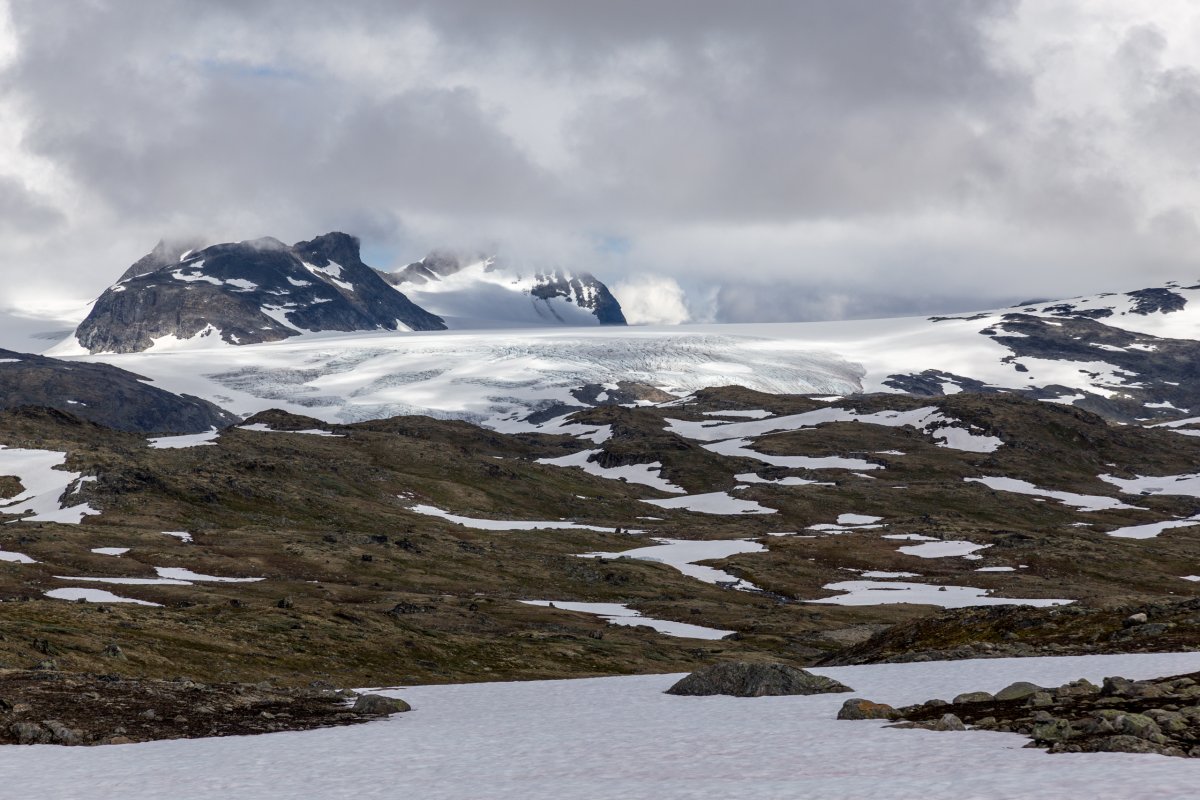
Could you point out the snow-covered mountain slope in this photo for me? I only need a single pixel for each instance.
(245, 292)
(480, 292)
(1095, 353)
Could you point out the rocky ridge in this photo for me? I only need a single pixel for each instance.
(104, 395)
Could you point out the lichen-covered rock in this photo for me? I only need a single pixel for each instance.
(747, 679)
(858, 708)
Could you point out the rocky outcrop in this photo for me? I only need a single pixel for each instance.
(746, 679)
(247, 292)
(1122, 716)
(103, 394)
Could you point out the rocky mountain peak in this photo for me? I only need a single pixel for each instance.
(246, 292)
(474, 289)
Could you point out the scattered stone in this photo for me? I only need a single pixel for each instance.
(748, 679)
(1124, 716)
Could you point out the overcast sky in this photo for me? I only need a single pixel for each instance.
(710, 160)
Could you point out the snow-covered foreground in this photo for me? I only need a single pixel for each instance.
(622, 737)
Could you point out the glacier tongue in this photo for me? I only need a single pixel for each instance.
(488, 377)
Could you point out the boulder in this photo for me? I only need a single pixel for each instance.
(744, 679)
(974, 697)
(858, 708)
(378, 705)
(1018, 691)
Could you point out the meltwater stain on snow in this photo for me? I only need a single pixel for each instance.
(620, 614)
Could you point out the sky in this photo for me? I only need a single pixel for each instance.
(710, 161)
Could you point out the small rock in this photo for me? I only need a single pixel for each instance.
(1135, 619)
(61, 734)
(1141, 726)
(949, 722)
(1040, 699)
(1124, 744)
(858, 708)
(1151, 629)
(29, 733)
(378, 705)
(1054, 730)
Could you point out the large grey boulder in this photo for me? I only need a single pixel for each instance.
(745, 679)
(378, 705)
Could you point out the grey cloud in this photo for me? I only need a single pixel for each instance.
(22, 212)
(402, 122)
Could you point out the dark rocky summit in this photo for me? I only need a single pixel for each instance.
(748, 679)
(584, 290)
(103, 394)
(247, 292)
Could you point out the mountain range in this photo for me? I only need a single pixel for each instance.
(262, 290)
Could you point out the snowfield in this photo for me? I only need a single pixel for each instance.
(622, 737)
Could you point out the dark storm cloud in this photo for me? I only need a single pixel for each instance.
(760, 153)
